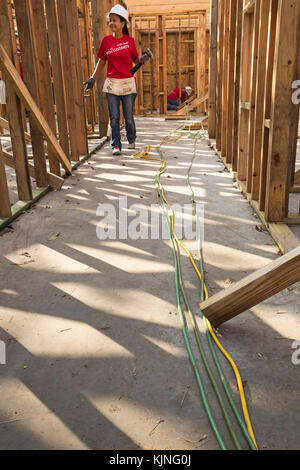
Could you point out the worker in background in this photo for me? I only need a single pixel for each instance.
(119, 51)
(175, 97)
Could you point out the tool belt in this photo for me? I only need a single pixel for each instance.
(120, 86)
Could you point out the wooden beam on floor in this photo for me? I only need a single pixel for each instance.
(10, 71)
(254, 289)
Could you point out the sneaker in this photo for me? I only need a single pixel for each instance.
(116, 151)
(131, 145)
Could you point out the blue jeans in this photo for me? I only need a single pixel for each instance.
(114, 115)
(172, 104)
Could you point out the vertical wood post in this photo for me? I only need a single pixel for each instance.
(58, 78)
(99, 10)
(30, 80)
(39, 33)
(5, 210)
(15, 115)
(284, 113)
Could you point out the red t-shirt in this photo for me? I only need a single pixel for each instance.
(119, 53)
(174, 95)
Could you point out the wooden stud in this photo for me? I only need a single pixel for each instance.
(267, 103)
(164, 57)
(284, 113)
(260, 96)
(253, 96)
(53, 180)
(5, 209)
(245, 80)
(230, 81)
(77, 76)
(213, 62)
(221, 10)
(58, 78)
(39, 33)
(99, 30)
(237, 73)
(68, 72)
(15, 80)
(30, 80)
(225, 74)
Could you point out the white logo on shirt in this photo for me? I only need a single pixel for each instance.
(119, 48)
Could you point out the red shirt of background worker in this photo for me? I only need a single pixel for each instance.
(174, 99)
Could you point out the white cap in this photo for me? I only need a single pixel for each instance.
(189, 90)
(121, 11)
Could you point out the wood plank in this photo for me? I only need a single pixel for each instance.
(237, 72)
(5, 209)
(164, 57)
(192, 105)
(284, 113)
(99, 30)
(254, 289)
(14, 112)
(8, 68)
(53, 180)
(297, 178)
(225, 72)
(5, 124)
(213, 63)
(221, 10)
(39, 33)
(245, 93)
(67, 71)
(267, 104)
(77, 75)
(58, 78)
(260, 96)
(30, 79)
(230, 81)
(253, 94)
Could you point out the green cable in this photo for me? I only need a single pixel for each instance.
(187, 342)
(201, 350)
(178, 279)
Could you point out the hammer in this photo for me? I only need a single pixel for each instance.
(142, 60)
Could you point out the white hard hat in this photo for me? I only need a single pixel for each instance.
(121, 11)
(189, 90)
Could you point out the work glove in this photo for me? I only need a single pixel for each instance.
(89, 84)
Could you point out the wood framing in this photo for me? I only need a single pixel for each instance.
(257, 122)
(30, 79)
(14, 112)
(254, 289)
(8, 68)
(100, 30)
(284, 113)
(179, 46)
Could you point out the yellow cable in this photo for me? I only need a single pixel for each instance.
(145, 155)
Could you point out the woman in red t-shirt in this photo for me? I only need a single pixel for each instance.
(119, 51)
